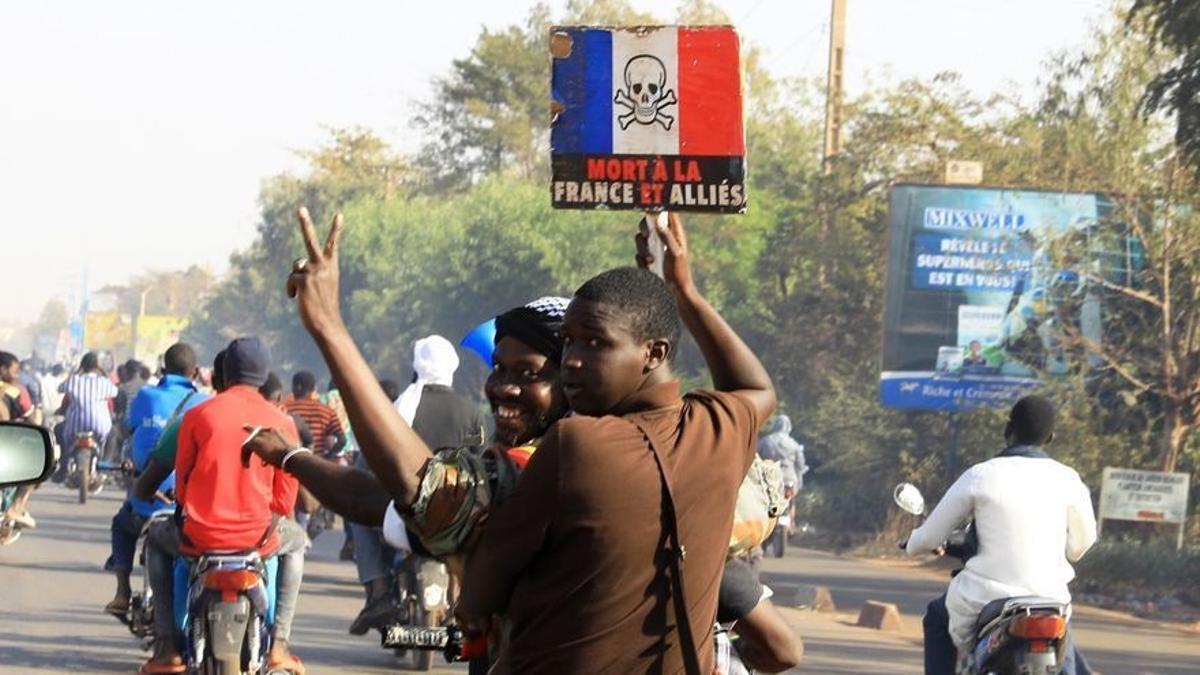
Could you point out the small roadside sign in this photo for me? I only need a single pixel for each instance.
(1144, 496)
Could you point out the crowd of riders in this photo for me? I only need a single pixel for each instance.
(586, 520)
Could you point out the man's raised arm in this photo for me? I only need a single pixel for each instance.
(349, 492)
(733, 366)
(392, 449)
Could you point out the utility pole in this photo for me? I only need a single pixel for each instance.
(833, 122)
(833, 87)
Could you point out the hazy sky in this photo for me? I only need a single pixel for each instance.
(134, 135)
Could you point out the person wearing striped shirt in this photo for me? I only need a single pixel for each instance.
(328, 435)
(322, 420)
(88, 393)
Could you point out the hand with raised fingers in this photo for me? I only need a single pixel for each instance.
(677, 271)
(271, 445)
(314, 280)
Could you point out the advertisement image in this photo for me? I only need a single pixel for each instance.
(990, 290)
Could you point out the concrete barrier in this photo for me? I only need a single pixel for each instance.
(880, 616)
(817, 598)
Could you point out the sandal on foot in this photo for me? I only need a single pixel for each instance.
(292, 664)
(117, 608)
(151, 668)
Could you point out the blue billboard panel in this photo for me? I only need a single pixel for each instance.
(984, 285)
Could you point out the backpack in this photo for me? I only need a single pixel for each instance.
(760, 501)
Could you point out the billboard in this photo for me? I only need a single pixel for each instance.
(107, 331)
(647, 118)
(984, 285)
(155, 333)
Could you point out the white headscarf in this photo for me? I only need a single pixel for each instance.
(434, 360)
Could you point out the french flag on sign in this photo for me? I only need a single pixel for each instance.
(647, 91)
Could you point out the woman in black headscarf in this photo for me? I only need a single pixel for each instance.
(452, 491)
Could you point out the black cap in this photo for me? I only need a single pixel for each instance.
(247, 361)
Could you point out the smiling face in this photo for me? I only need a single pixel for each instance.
(524, 392)
(603, 362)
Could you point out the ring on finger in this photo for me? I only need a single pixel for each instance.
(299, 265)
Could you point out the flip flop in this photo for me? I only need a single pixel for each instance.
(149, 668)
(292, 665)
(117, 610)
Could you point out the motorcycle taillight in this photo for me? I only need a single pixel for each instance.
(230, 580)
(1038, 627)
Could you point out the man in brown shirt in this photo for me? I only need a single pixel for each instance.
(578, 559)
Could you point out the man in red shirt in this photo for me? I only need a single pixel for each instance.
(226, 507)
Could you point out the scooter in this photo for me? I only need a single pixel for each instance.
(140, 616)
(1013, 636)
(777, 542)
(82, 472)
(10, 530)
(424, 604)
(230, 607)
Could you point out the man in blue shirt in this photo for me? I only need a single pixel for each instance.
(149, 413)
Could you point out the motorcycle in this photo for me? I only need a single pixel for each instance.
(230, 605)
(777, 542)
(1024, 635)
(82, 470)
(10, 530)
(140, 616)
(425, 608)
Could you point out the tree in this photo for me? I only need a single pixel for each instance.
(1175, 25)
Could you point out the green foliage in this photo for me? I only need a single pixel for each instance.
(1175, 25)
(800, 275)
(1114, 565)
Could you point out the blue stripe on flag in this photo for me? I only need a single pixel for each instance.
(582, 82)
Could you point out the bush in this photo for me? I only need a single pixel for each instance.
(1117, 565)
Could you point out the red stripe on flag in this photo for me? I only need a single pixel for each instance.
(710, 92)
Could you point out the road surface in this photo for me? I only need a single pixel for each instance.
(1113, 643)
(52, 589)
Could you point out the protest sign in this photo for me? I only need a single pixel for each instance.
(647, 118)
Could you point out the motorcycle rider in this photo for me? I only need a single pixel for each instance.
(442, 418)
(86, 398)
(149, 411)
(328, 436)
(1033, 517)
(776, 444)
(617, 358)
(18, 406)
(224, 507)
(765, 641)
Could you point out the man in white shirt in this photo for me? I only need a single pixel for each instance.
(1033, 517)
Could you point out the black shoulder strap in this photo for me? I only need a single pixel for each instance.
(687, 642)
(179, 408)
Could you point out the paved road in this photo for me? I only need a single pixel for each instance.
(1113, 643)
(52, 589)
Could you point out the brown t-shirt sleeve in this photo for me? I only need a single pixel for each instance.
(513, 535)
(741, 416)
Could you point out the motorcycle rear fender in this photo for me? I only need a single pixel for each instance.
(226, 627)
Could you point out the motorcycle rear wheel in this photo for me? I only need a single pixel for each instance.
(84, 462)
(422, 658)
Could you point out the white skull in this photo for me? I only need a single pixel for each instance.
(645, 79)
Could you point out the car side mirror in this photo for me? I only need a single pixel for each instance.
(26, 454)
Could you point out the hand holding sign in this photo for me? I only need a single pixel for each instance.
(676, 270)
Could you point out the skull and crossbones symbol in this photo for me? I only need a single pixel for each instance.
(644, 95)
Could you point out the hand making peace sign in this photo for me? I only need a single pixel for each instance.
(314, 280)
